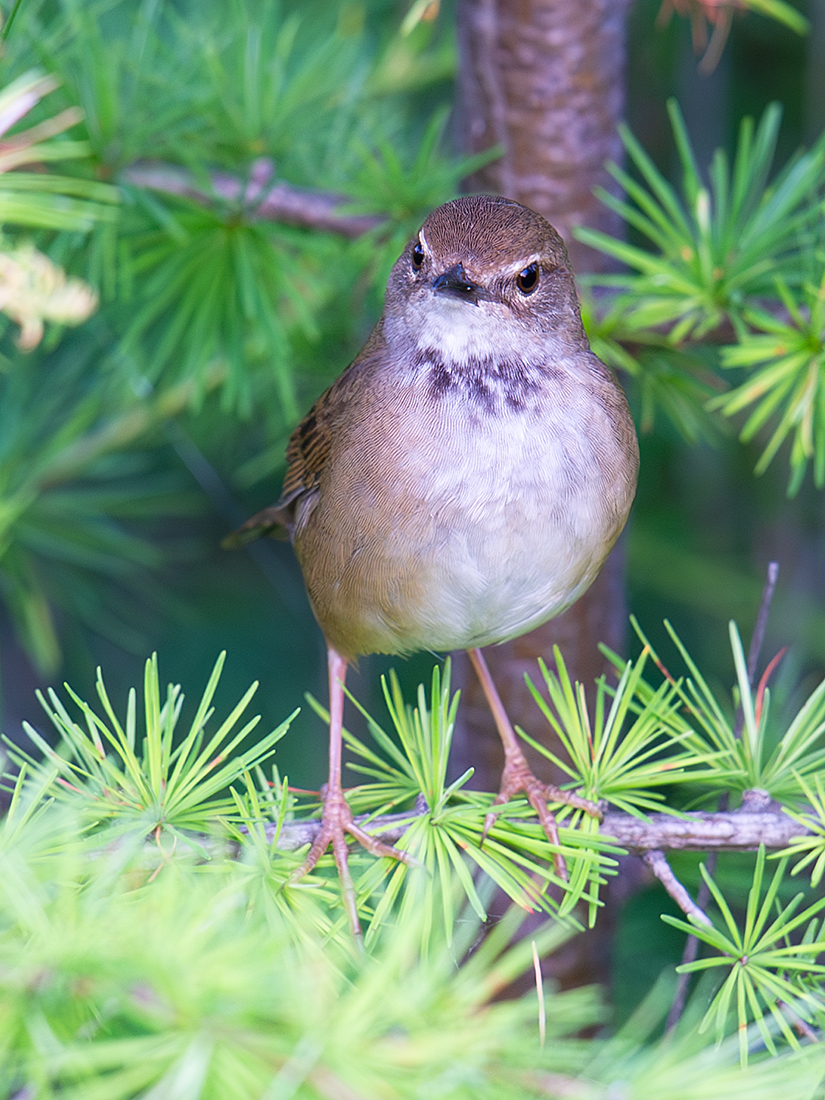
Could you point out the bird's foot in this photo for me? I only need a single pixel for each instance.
(517, 778)
(336, 822)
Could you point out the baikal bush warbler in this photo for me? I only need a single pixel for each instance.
(463, 480)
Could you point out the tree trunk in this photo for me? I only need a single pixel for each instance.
(544, 80)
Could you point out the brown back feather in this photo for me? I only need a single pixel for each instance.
(307, 453)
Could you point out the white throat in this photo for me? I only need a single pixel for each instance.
(463, 332)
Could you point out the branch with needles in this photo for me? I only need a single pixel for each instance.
(260, 193)
(658, 864)
(703, 897)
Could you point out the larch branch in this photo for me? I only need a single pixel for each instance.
(264, 198)
(660, 867)
(733, 831)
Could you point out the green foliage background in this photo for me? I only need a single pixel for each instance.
(217, 328)
(153, 943)
(130, 445)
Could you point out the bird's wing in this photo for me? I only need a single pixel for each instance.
(307, 454)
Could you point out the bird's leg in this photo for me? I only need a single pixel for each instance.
(517, 775)
(336, 816)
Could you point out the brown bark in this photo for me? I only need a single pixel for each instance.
(544, 80)
(266, 197)
(740, 830)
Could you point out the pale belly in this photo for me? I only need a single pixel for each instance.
(481, 533)
(521, 579)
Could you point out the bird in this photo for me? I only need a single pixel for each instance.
(462, 481)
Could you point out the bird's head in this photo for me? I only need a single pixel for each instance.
(484, 275)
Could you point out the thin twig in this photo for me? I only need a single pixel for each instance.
(730, 831)
(757, 640)
(660, 867)
(690, 952)
(734, 831)
(758, 637)
(691, 948)
(276, 201)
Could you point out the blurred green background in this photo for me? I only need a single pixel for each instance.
(129, 446)
(124, 558)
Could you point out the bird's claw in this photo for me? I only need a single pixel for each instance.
(519, 779)
(336, 822)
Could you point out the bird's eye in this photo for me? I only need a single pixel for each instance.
(528, 280)
(417, 255)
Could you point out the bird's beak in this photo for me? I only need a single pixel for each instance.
(456, 284)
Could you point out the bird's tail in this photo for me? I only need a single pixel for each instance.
(273, 521)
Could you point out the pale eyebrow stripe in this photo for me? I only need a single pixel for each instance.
(514, 269)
